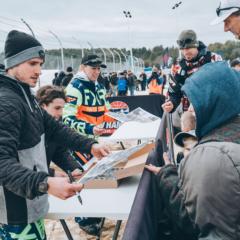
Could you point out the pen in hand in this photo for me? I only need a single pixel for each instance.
(71, 179)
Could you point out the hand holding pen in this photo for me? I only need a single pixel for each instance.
(71, 179)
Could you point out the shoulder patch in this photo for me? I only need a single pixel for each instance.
(72, 99)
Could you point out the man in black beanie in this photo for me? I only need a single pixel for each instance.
(24, 129)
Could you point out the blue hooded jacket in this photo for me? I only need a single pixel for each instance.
(214, 92)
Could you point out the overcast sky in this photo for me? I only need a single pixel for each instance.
(103, 24)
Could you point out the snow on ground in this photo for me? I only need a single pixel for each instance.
(45, 78)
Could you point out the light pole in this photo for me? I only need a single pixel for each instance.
(142, 63)
(28, 26)
(128, 16)
(114, 64)
(120, 60)
(123, 56)
(72, 61)
(80, 46)
(61, 47)
(175, 7)
(105, 55)
(138, 63)
(92, 48)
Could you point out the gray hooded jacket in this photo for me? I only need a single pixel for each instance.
(206, 193)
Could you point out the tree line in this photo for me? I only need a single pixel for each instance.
(151, 56)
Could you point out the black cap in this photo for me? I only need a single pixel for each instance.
(93, 61)
(182, 135)
(20, 47)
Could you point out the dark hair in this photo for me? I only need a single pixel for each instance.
(48, 93)
(235, 62)
(237, 13)
(69, 69)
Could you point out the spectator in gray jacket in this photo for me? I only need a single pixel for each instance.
(202, 200)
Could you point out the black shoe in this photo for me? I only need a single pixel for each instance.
(92, 229)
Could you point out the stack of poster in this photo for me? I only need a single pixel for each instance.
(107, 172)
(137, 115)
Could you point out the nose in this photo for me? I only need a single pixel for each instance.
(60, 112)
(38, 70)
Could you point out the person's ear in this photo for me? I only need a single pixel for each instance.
(44, 106)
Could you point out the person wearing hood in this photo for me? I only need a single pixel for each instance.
(202, 199)
(194, 55)
(25, 129)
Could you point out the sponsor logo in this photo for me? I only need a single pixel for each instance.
(119, 106)
(72, 99)
(116, 106)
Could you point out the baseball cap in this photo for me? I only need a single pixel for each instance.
(225, 9)
(182, 135)
(93, 61)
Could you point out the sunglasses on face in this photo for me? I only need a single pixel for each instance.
(218, 10)
(182, 43)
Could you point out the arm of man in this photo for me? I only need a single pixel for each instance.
(174, 90)
(13, 175)
(149, 79)
(74, 101)
(173, 200)
(66, 137)
(63, 159)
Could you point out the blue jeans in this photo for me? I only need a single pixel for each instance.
(131, 89)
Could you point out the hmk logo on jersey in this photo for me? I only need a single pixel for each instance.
(72, 99)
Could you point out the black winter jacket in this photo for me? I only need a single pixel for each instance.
(63, 158)
(23, 165)
(66, 80)
(186, 69)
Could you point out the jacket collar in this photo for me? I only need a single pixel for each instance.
(18, 87)
(228, 132)
(82, 77)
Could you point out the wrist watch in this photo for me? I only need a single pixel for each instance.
(43, 186)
